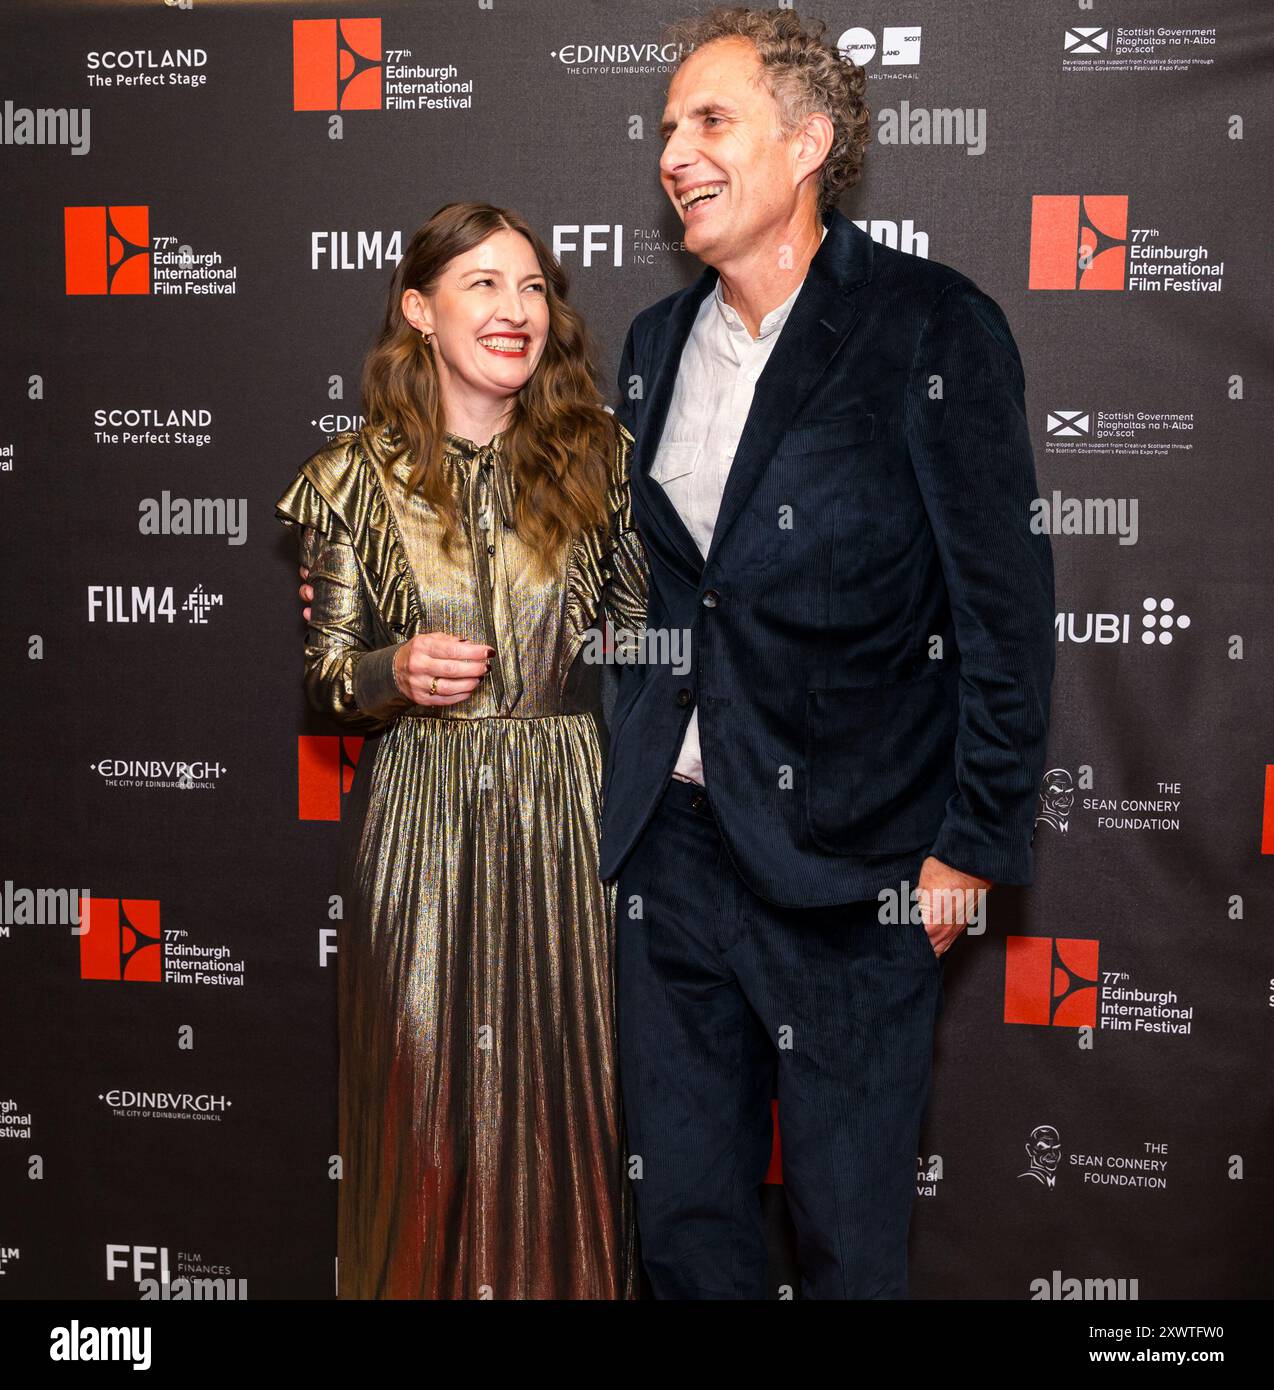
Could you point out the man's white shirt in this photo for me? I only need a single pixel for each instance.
(716, 379)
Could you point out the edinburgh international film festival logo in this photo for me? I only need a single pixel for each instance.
(124, 941)
(1056, 982)
(343, 65)
(1051, 980)
(110, 249)
(325, 767)
(1079, 243)
(337, 65)
(1085, 242)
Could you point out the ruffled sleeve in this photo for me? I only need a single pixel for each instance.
(303, 505)
(346, 676)
(625, 573)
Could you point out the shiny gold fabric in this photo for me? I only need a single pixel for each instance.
(479, 1108)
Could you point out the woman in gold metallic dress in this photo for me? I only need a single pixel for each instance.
(461, 546)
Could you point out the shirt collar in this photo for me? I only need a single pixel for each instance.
(458, 444)
(772, 322)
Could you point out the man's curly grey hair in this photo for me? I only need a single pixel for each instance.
(804, 75)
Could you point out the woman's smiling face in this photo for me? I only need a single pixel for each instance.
(488, 314)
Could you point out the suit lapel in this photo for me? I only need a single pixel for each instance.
(819, 322)
(658, 506)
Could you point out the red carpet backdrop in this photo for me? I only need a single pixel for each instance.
(204, 203)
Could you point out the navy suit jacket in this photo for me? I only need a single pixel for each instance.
(871, 634)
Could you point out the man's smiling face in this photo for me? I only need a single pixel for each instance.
(729, 172)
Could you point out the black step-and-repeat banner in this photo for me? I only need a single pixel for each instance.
(204, 202)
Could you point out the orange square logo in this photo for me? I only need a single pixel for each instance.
(337, 65)
(107, 250)
(1079, 243)
(1051, 980)
(325, 766)
(122, 941)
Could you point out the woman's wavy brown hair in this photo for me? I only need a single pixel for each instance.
(804, 75)
(560, 441)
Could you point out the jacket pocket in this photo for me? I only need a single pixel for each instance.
(880, 763)
(816, 436)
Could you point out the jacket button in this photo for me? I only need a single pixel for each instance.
(711, 598)
(684, 697)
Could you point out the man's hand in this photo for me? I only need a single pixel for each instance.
(948, 901)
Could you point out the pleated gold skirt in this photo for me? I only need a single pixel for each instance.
(480, 1123)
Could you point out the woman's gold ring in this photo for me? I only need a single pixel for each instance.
(433, 686)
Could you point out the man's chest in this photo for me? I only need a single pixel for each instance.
(711, 400)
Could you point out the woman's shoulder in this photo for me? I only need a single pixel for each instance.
(346, 455)
(332, 483)
(342, 461)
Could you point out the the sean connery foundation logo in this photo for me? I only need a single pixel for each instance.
(1057, 799)
(1043, 1156)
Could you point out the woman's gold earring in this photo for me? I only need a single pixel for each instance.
(428, 337)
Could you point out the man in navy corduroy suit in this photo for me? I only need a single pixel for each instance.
(832, 478)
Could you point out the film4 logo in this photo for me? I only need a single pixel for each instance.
(337, 65)
(109, 603)
(1079, 243)
(325, 765)
(108, 249)
(122, 941)
(1051, 980)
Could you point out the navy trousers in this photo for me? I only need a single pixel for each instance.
(719, 992)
